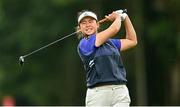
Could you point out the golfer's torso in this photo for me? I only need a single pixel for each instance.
(103, 66)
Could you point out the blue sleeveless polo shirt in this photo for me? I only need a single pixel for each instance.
(103, 65)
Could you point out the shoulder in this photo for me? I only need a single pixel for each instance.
(87, 46)
(116, 43)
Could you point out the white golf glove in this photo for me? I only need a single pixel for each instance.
(122, 15)
(119, 11)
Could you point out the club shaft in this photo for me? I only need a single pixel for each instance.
(49, 44)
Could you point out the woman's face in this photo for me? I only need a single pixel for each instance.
(88, 26)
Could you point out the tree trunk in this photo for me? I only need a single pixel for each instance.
(140, 65)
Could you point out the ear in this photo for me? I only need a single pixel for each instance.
(77, 28)
(97, 25)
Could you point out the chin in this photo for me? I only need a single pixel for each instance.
(90, 33)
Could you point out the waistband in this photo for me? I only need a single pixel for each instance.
(106, 84)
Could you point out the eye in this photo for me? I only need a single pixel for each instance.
(83, 22)
(90, 21)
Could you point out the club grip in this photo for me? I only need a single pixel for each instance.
(105, 19)
(125, 11)
(102, 20)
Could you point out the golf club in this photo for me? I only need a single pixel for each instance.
(21, 58)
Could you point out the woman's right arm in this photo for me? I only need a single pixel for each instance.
(131, 39)
(103, 36)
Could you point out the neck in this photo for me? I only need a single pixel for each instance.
(86, 36)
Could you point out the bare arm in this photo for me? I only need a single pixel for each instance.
(110, 31)
(131, 39)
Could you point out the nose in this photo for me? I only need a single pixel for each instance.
(87, 24)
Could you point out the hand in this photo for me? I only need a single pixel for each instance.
(112, 16)
(123, 16)
(119, 11)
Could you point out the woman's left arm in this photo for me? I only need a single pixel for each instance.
(131, 39)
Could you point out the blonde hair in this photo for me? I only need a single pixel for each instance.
(79, 33)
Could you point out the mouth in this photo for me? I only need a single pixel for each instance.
(88, 29)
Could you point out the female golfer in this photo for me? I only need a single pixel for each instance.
(105, 73)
